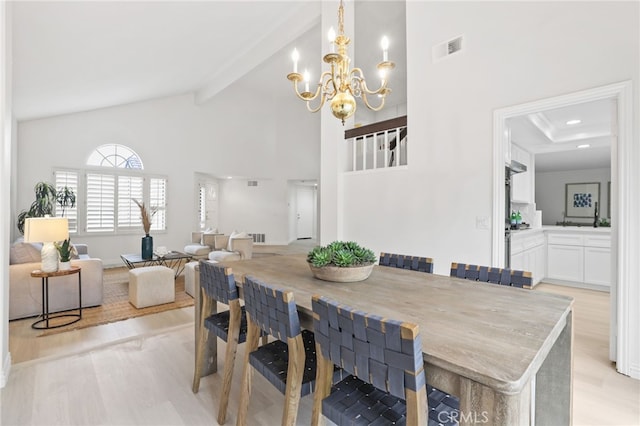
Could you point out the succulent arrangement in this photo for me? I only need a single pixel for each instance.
(343, 254)
(66, 250)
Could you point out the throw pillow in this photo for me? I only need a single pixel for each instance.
(24, 253)
(234, 235)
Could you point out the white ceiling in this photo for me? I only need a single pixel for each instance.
(77, 56)
(555, 143)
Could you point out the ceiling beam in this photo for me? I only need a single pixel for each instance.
(303, 16)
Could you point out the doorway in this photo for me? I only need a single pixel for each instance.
(621, 194)
(305, 212)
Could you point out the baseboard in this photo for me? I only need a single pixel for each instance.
(6, 369)
(634, 371)
(586, 286)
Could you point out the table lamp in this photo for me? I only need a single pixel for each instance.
(47, 230)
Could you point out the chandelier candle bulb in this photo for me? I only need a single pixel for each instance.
(332, 38)
(385, 49)
(295, 56)
(307, 77)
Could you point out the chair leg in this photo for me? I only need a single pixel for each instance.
(235, 314)
(294, 380)
(202, 341)
(253, 335)
(324, 375)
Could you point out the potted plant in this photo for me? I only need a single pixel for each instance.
(65, 251)
(65, 198)
(147, 240)
(341, 261)
(42, 206)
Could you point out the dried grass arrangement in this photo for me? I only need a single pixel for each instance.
(146, 215)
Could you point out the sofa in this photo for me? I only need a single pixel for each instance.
(202, 243)
(227, 248)
(25, 291)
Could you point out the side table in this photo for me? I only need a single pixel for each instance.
(46, 316)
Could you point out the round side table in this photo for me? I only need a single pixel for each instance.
(43, 324)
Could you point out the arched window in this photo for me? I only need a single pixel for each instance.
(113, 179)
(114, 155)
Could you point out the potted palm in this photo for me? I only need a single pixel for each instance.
(43, 205)
(341, 261)
(147, 240)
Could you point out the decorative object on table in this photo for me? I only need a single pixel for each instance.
(42, 206)
(342, 84)
(341, 261)
(66, 250)
(47, 230)
(161, 251)
(581, 199)
(147, 240)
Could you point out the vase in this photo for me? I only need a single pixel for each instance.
(147, 247)
(64, 266)
(342, 275)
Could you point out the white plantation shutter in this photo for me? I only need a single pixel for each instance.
(158, 202)
(202, 203)
(129, 188)
(100, 202)
(69, 179)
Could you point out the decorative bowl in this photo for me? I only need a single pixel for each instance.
(342, 275)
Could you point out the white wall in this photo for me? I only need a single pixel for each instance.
(510, 56)
(6, 163)
(236, 133)
(550, 192)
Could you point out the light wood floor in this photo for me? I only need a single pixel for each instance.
(139, 371)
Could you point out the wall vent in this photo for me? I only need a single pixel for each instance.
(447, 48)
(258, 238)
(252, 183)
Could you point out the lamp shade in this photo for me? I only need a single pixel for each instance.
(46, 229)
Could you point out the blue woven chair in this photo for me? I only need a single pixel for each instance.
(501, 276)
(218, 285)
(387, 382)
(290, 366)
(415, 263)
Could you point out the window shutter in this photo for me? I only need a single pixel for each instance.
(129, 188)
(202, 204)
(100, 202)
(69, 179)
(158, 202)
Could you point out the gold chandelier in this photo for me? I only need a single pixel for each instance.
(341, 85)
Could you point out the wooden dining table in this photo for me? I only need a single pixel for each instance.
(506, 352)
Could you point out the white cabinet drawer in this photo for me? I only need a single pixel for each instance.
(597, 241)
(566, 239)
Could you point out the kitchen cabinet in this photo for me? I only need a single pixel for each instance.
(528, 253)
(581, 256)
(522, 183)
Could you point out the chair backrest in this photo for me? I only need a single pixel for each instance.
(502, 276)
(218, 282)
(380, 351)
(272, 309)
(415, 263)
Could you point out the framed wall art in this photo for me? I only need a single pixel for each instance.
(581, 199)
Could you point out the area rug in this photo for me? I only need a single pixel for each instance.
(116, 306)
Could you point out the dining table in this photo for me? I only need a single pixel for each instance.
(506, 352)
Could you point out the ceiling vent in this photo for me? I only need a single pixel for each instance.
(447, 48)
(252, 183)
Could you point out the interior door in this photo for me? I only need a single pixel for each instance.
(305, 200)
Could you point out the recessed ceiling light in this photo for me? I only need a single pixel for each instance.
(572, 122)
(584, 145)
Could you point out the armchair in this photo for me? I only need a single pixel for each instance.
(237, 246)
(202, 243)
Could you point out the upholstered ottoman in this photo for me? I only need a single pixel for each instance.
(192, 278)
(151, 285)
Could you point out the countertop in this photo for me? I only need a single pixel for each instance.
(583, 229)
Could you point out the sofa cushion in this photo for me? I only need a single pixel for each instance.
(197, 249)
(24, 253)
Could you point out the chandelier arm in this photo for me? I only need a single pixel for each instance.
(322, 101)
(299, 95)
(363, 82)
(366, 102)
